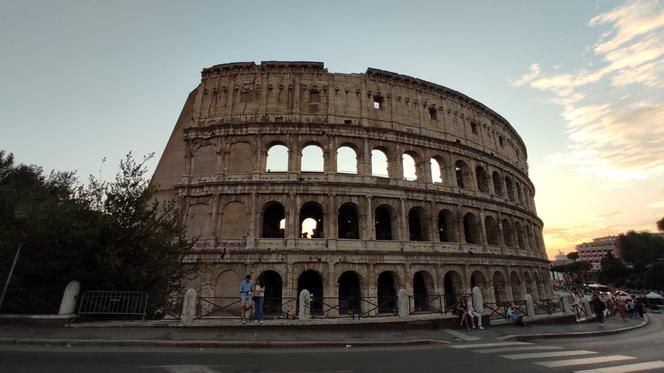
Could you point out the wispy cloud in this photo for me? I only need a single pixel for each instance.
(614, 107)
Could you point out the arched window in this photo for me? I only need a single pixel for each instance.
(312, 159)
(311, 220)
(409, 167)
(379, 163)
(497, 184)
(436, 175)
(447, 231)
(508, 233)
(471, 229)
(346, 160)
(519, 235)
(492, 231)
(417, 224)
(274, 220)
(383, 219)
(510, 188)
(482, 179)
(348, 222)
(277, 159)
(462, 174)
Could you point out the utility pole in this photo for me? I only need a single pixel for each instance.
(9, 276)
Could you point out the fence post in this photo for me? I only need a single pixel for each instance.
(189, 306)
(304, 311)
(530, 305)
(70, 298)
(403, 304)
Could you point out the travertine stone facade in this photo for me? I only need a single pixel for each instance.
(465, 217)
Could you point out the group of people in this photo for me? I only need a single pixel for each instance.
(631, 308)
(252, 298)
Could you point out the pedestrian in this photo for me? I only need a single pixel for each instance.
(472, 313)
(246, 287)
(610, 307)
(622, 309)
(639, 308)
(259, 300)
(598, 307)
(514, 316)
(464, 314)
(631, 308)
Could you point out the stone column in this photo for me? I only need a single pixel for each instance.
(70, 298)
(530, 305)
(403, 224)
(403, 304)
(189, 306)
(304, 310)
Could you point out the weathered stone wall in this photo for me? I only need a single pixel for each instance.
(478, 223)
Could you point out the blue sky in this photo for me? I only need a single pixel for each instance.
(84, 80)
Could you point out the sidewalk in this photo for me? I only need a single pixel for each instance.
(254, 335)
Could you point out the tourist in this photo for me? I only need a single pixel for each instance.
(621, 307)
(464, 314)
(631, 308)
(259, 300)
(472, 313)
(514, 316)
(639, 308)
(598, 307)
(610, 307)
(246, 287)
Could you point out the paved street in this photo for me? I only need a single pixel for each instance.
(637, 350)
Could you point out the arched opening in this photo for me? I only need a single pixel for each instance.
(379, 164)
(240, 158)
(492, 230)
(499, 288)
(519, 235)
(349, 293)
(346, 160)
(417, 227)
(311, 220)
(471, 229)
(436, 174)
(409, 167)
(274, 220)
(508, 234)
(461, 171)
(422, 290)
(482, 179)
(277, 159)
(313, 282)
(387, 292)
(273, 291)
(510, 188)
(383, 217)
(234, 221)
(497, 184)
(477, 279)
(452, 287)
(517, 293)
(447, 227)
(205, 161)
(312, 159)
(348, 222)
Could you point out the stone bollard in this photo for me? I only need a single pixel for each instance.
(403, 304)
(585, 306)
(70, 298)
(478, 301)
(304, 312)
(530, 306)
(189, 306)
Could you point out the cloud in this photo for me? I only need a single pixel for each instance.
(614, 106)
(657, 205)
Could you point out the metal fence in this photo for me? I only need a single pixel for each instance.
(498, 311)
(433, 303)
(113, 303)
(548, 306)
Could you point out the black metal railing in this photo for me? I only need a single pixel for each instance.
(498, 311)
(548, 306)
(426, 303)
(113, 303)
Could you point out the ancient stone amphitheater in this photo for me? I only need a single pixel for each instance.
(352, 186)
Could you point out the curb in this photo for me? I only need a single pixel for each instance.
(526, 337)
(209, 344)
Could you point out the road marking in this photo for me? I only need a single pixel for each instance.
(461, 336)
(476, 345)
(627, 368)
(584, 361)
(518, 348)
(189, 368)
(537, 355)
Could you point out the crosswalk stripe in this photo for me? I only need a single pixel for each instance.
(627, 368)
(537, 355)
(479, 345)
(517, 349)
(584, 361)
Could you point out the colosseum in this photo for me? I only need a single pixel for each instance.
(352, 186)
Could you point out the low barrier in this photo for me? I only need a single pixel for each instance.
(498, 311)
(113, 303)
(421, 304)
(548, 306)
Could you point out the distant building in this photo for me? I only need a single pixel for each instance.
(594, 251)
(561, 259)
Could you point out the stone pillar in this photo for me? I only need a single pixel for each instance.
(478, 300)
(369, 234)
(403, 231)
(403, 304)
(530, 305)
(189, 306)
(304, 311)
(70, 298)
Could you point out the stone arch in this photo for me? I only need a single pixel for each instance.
(423, 288)
(240, 158)
(346, 160)
(379, 163)
(452, 287)
(447, 226)
(515, 282)
(409, 166)
(226, 293)
(472, 231)
(199, 221)
(205, 161)
(482, 179)
(274, 220)
(277, 158)
(313, 158)
(499, 288)
(442, 169)
(508, 233)
(386, 223)
(492, 230)
(497, 184)
(273, 283)
(436, 171)
(312, 280)
(418, 227)
(348, 221)
(234, 221)
(463, 177)
(388, 287)
(311, 220)
(350, 292)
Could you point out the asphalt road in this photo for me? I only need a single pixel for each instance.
(642, 346)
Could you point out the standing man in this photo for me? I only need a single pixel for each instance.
(246, 288)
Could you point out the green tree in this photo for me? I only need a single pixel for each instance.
(613, 270)
(654, 278)
(573, 255)
(660, 224)
(640, 247)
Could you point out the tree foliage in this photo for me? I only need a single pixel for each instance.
(640, 247)
(108, 236)
(660, 224)
(573, 255)
(613, 270)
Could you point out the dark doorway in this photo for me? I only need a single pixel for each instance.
(415, 224)
(420, 291)
(274, 220)
(273, 287)
(313, 282)
(311, 220)
(383, 223)
(387, 302)
(349, 293)
(451, 284)
(348, 222)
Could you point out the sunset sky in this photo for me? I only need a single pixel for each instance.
(581, 81)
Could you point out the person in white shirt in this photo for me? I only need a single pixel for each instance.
(472, 313)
